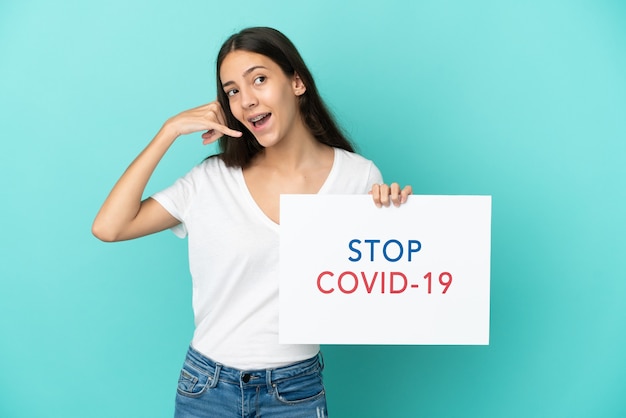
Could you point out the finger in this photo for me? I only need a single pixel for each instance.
(384, 195)
(406, 191)
(375, 192)
(227, 131)
(220, 129)
(210, 136)
(206, 118)
(216, 119)
(212, 112)
(221, 116)
(213, 135)
(395, 194)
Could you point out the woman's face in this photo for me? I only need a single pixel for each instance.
(261, 96)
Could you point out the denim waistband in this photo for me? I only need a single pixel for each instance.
(219, 372)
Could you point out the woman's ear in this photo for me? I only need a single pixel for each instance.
(298, 85)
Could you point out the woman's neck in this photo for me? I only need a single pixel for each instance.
(300, 150)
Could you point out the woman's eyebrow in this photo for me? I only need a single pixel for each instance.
(245, 73)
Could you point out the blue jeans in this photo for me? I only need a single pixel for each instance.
(209, 389)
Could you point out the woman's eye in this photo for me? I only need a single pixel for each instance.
(259, 80)
(231, 92)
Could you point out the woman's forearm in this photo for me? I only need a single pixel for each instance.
(124, 202)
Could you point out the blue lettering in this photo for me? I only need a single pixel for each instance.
(414, 249)
(372, 242)
(399, 253)
(357, 252)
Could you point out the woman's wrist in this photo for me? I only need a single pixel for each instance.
(168, 133)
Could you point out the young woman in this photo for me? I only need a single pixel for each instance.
(276, 136)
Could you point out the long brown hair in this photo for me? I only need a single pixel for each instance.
(276, 46)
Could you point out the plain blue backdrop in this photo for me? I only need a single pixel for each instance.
(524, 101)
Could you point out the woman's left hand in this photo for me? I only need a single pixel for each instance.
(384, 195)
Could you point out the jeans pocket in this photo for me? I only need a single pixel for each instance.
(300, 388)
(193, 382)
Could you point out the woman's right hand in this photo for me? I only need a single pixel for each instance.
(209, 118)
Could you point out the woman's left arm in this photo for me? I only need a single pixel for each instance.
(384, 194)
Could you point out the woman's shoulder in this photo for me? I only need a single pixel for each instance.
(213, 163)
(213, 160)
(212, 167)
(352, 158)
(351, 174)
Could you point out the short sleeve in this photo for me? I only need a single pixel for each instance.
(375, 176)
(177, 198)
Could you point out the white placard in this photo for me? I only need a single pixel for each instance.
(352, 273)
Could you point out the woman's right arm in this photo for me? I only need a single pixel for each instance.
(123, 214)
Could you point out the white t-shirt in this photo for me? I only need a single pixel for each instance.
(233, 258)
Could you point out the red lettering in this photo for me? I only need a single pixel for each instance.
(369, 286)
(348, 282)
(319, 282)
(406, 282)
(356, 282)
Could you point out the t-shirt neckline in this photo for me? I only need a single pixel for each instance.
(266, 219)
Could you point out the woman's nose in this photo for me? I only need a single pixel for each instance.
(248, 98)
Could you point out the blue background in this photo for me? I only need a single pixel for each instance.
(524, 101)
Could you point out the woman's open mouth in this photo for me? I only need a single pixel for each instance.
(259, 120)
